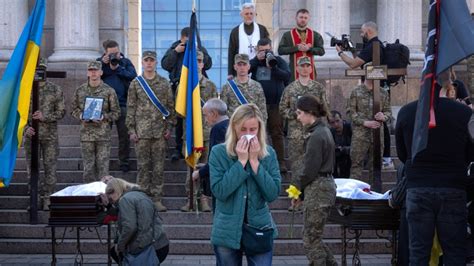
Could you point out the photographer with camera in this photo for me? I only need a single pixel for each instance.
(301, 41)
(273, 73)
(118, 72)
(369, 33)
(172, 62)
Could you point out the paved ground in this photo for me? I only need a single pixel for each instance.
(41, 259)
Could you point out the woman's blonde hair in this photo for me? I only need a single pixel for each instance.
(241, 114)
(119, 186)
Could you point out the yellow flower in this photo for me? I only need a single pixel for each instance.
(293, 192)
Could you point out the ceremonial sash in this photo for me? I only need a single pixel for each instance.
(295, 36)
(151, 95)
(237, 92)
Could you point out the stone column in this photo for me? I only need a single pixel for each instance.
(13, 17)
(401, 20)
(76, 34)
(134, 33)
(329, 16)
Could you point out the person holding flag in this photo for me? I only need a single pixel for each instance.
(15, 88)
(208, 91)
(150, 117)
(188, 104)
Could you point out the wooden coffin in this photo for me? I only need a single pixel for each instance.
(365, 214)
(74, 210)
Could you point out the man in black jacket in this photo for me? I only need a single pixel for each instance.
(215, 114)
(342, 134)
(172, 62)
(118, 72)
(273, 73)
(436, 180)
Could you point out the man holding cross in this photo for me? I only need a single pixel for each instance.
(369, 34)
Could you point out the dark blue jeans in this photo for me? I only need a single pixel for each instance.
(233, 257)
(443, 209)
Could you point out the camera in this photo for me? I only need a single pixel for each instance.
(271, 59)
(345, 42)
(113, 59)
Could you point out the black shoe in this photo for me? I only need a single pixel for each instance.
(124, 168)
(176, 156)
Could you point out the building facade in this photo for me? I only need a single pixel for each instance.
(75, 29)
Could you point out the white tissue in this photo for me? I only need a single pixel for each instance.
(248, 136)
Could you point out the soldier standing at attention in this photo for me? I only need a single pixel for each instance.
(360, 113)
(51, 109)
(304, 85)
(208, 91)
(95, 133)
(242, 89)
(149, 119)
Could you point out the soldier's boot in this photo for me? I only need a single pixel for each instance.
(204, 204)
(186, 208)
(160, 207)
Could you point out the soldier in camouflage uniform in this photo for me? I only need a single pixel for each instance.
(51, 109)
(251, 89)
(149, 129)
(315, 179)
(95, 134)
(304, 85)
(363, 121)
(208, 91)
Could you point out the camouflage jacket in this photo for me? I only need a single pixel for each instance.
(252, 91)
(361, 104)
(288, 104)
(96, 131)
(51, 104)
(143, 117)
(208, 91)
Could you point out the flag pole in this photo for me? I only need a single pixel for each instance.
(191, 181)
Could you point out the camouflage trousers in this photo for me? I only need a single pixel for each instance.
(319, 197)
(95, 156)
(361, 147)
(295, 155)
(49, 152)
(202, 159)
(150, 164)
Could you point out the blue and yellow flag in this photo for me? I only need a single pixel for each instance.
(188, 99)
(15, 91)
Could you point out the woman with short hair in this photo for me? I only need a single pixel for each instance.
(244, 179)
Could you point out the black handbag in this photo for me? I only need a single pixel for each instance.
(256, 240)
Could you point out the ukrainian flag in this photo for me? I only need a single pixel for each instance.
(15, 91)
(188, 99)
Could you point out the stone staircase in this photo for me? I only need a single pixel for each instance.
(189, 232)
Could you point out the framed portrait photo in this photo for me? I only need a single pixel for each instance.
(92, 108)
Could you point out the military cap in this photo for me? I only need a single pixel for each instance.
(94, 65)
(244, 58)
(304, 60)
(149, 54)
(43, 62)
(200, 55)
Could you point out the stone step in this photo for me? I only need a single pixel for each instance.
(75, 152)
(174, 232)
(185, 246)
(171, 188)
